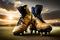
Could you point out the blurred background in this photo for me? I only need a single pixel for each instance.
(9, 15)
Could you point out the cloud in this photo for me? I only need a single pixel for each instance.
(3, 16)
(52, 15)
(8, 17)
(7, 7)
(9, 13)
(17, 3)
(9, 4)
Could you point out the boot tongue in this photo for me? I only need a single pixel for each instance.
(38, 9)
(22, 10)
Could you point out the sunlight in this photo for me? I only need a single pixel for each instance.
(45, 10)
(10, 16)
(13, 14)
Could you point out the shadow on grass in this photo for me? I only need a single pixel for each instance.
(51, 35)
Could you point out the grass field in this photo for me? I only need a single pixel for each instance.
(6, 34)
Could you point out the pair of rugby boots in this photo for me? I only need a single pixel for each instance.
(31, 18)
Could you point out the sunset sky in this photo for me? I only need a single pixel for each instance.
(9, 7)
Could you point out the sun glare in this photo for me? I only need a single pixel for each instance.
(10, 16)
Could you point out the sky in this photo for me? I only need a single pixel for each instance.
(50, 5)
(9, 7)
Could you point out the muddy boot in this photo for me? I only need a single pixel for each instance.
(25, 21)
(39, 21)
